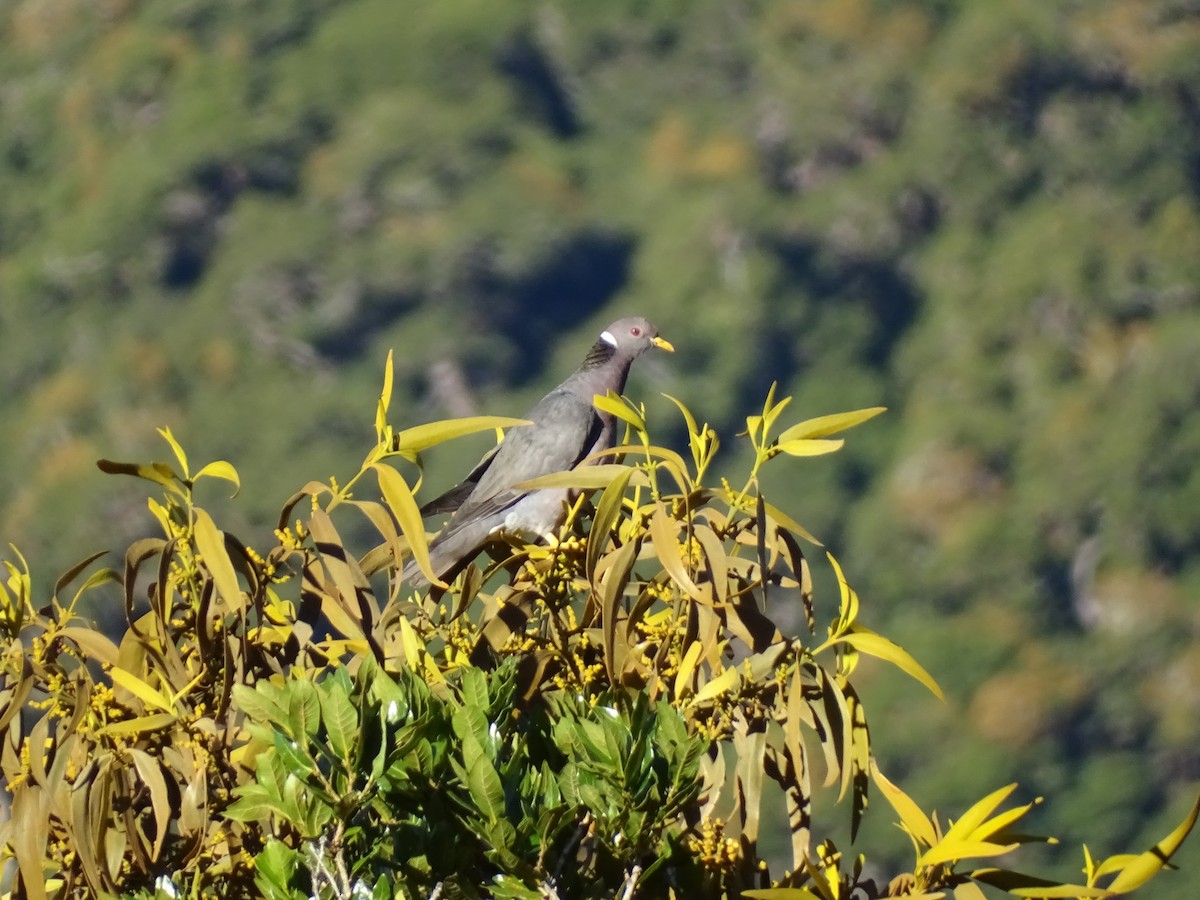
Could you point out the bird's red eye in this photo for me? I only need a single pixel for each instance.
(635, 331)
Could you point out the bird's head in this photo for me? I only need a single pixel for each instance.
(633, 336)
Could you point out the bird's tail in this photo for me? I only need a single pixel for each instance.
(450, 551)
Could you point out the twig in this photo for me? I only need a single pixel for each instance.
(631, 881)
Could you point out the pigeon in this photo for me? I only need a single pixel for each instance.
(566, 428)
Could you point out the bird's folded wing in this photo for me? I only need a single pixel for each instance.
(452, 499)
(564, 430)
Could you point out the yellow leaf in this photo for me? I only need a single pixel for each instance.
(666, 547)
(140, 689)
(1000, 822)
(1148, 864)
(687, 415)
(422, 437)
(687, 668)
(785, 893)
(948, 851)
(969, 891)
(877, 645)
(220, 469)
(136, 726)
(413, 648)
(400, 500)
(723, 683)
(966, 826)
(178, 450)
(211, 544)
(385, 397)
(911, 816)
(618, 406)
(823, 426)
(808, 447)
(783, 520)
(848, 611)
(1059, 892)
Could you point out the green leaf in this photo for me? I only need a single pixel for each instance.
(339, 715)
(483, 782)
(276, 865)
(261, 702)
(253, 804)
(304, 709)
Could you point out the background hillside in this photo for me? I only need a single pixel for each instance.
(219, 217)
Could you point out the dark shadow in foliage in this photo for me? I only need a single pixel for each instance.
(374, 308)
(575, 279)
(542, 87)
(832, 278)
(191, 213)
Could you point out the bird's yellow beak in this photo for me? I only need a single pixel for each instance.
(662, 344)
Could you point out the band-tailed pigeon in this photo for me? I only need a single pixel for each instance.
(566, 429)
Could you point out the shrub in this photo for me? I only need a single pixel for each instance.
(595, 718)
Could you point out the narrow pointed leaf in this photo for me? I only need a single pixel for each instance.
(950, 851)
(967, 824)
(911, 816)
(808, 447)
(175, 448)
(616, 405)
(878, 646)
(211, 544)
(823, 426)
(140, 689)
(1148, 864)
(404, 507)
(422, 437)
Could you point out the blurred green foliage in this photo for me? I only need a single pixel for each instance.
(986, 216)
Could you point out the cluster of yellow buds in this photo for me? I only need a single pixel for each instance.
(267, 568)
(460, 638)
(716, 852)
(292, 538)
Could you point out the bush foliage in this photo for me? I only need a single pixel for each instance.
(599, 717)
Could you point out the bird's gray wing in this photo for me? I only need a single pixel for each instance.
(564, 429)
(452, 499)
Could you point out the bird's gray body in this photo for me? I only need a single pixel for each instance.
(566, 429)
